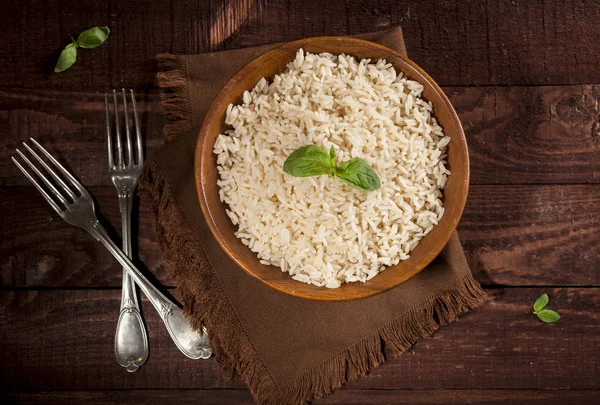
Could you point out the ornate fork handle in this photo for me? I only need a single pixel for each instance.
(131, 340)
(191, 343)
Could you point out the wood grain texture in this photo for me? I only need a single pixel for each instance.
(531, 135)
(62, 340)
(72, 126)
(139, 30)
(69, 337)
(39, 249)
(533, 235)
(512, 235)
(502, 42)
(342, 396)
(516, 135)
(229, 17)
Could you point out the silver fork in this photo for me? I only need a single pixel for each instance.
(131, 340)
(75, 205)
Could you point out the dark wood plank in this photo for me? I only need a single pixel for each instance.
(66, 338)
(512, 235)
(533, 235)
(539, 42)
(460, 43)
(39, 249)
(72, 125)
(63, 340)
(531, 135)
(39, 31)
(516, 135)
(343, 396)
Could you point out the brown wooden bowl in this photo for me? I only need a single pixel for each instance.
(268, 65)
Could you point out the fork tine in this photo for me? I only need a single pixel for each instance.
(51, 172)
(111, 161)
(44, 179)
(118, 131)
(127, 131)
(138, 131)
(60, 168)
(39, 188)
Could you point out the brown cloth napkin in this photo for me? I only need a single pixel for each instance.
(288, 350)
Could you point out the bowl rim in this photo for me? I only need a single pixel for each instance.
(211, 115)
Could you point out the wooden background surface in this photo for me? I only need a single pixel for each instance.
(524, 77)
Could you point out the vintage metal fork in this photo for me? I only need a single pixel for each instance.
(131, 340)
(75, 205)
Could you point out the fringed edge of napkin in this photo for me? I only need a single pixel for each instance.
(395, 338)
(202, 304)
(176, 98)
(233, 350)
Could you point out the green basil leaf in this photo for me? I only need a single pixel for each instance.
(540, 303)
(93, 37)
(548, 315)
(67, 57)
(307, 161)
(359, 174)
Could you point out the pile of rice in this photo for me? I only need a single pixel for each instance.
(319, 229)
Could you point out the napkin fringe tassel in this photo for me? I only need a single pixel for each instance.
(231, 346)
(176, 94)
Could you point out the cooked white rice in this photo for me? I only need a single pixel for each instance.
(318, 229)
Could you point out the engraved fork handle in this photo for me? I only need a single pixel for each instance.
(131, 339)
(191, 343)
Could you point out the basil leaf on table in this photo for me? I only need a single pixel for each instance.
(540, 303)
(548, 315)
(93, 37)
(68, 56)
(88, 39)
(359, 174)
(308, 161)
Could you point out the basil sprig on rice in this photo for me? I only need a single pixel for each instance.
(313, 161)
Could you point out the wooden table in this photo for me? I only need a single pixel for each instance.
(523, 77)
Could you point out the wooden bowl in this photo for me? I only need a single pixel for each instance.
(274, 62)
